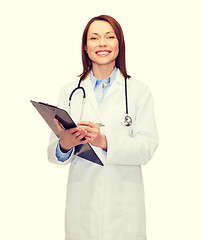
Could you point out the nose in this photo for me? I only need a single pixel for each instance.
(102, 42)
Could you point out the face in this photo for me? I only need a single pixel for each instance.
(102, 43)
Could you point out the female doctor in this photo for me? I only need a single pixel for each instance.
(105, 202)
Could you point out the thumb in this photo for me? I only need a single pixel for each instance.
(58, 126)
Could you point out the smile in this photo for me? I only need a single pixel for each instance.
(103, 53)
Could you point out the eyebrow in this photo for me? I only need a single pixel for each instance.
(106, 33)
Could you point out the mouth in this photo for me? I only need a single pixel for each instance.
(103, 53)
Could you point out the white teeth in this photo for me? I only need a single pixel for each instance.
(102, 53)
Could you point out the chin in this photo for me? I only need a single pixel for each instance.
(104, 62)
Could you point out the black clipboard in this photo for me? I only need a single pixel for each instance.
(48, 112)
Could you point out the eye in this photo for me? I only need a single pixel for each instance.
(93, 38)
(111, 37)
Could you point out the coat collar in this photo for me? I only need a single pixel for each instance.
(119, 79)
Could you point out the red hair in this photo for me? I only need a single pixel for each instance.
(120, 60)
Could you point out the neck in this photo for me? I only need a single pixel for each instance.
(102, 71)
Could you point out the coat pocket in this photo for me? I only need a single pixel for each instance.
(72, 213)
(134, 208)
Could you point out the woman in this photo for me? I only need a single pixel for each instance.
(106, 202)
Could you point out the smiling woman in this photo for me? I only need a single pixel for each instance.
(105, 202)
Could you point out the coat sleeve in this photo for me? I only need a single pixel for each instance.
(138, 147)
(53, 141)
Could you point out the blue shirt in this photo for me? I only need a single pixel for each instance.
(97, 85)
(100, 88)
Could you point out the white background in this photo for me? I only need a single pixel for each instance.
(40, 52)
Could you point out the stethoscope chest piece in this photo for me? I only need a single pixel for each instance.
(127, 121)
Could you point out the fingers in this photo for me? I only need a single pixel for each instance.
(89, 126)
(73, 130)
(79, 134)
(79, 137)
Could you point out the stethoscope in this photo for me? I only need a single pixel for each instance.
(126, 120)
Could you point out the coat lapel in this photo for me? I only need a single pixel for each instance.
(91, 102)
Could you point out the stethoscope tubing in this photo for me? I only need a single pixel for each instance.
(126, 121)
(126, 95)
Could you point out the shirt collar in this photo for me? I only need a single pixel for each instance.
(109, 80)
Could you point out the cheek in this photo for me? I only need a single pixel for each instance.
(91, 47)
(90, 52)
(116, 49)
(115, 46)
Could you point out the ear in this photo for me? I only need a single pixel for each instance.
(85, 48)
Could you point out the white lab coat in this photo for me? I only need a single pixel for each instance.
(107, 202)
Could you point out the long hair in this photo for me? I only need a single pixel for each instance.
(120, 60)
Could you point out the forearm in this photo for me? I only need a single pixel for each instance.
(53, 155)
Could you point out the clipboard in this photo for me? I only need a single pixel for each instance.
(48, 112)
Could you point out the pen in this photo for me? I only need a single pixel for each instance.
(100, 124)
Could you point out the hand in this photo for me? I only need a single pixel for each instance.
(93, 135)
(71, 137)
